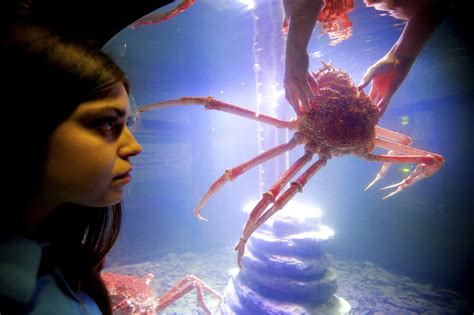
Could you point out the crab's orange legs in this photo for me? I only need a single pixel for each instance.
(156, 18)
(393, 136)
(188, 283)
(296, 186)
(271, 194)
(232, 174)
(211, 103)
(427, 162)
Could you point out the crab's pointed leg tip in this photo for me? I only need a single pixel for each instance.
(239, 245)
(201, 218)
(392, 186)
(377, 178)
(369, 185)
(391, 194)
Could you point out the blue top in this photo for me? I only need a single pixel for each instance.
(48, 294)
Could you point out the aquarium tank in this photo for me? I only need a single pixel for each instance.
(334, 248)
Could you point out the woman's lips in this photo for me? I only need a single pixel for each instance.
(123, 179)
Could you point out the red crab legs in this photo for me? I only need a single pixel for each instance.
(341, 121)
(134, 295)
(188, 283)
(232, 174)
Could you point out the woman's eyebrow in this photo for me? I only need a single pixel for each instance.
(104, 110)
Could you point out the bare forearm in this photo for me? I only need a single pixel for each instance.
(417, 32)
(302, 15)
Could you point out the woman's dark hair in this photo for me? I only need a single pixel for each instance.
(46, 76)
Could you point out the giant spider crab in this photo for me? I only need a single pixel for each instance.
(134, 295)
(342, 120)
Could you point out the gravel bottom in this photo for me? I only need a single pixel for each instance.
(368, 288)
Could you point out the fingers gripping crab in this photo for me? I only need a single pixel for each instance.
(342, 120)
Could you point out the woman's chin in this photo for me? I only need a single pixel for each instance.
(110, 199)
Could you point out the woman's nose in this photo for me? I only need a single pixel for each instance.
(130, 146)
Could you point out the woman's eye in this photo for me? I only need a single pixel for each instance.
(108, 125)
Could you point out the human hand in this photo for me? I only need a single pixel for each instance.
(297, 82)
(387, 75)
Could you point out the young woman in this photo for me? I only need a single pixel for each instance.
(67, 154)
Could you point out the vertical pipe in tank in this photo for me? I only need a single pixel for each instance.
(268, 54)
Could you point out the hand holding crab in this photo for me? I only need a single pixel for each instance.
(342, 120)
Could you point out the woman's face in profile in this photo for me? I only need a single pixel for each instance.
(88, 160)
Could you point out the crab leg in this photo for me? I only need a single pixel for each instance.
(383, 171)
(296, 186)
(393, 136)
(232, 174)
(427, 162)
(122, 304)
(270, 195)
(163, 16)
(188, 283)
(211, 103)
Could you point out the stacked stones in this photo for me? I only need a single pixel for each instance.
(284, 269)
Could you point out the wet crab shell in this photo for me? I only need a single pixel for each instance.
(342, 120)
(130, 293)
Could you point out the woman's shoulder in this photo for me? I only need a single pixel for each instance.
(54, 296)
(19, 262)
(22, 291)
